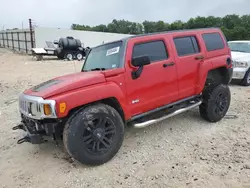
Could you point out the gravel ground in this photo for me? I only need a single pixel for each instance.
(183, 151)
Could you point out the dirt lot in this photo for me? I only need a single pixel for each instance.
(184, 151)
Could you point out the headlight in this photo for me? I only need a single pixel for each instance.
(241, 64)
(48, 108)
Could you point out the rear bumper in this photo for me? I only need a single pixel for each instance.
(230, 74)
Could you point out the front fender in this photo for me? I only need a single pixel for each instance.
(82, 96)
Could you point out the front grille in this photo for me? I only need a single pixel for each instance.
(32, 107)
(29, 106)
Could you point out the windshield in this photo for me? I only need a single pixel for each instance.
(107, 56)
(240, 46)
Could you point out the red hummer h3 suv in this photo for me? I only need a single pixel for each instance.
(139, 80)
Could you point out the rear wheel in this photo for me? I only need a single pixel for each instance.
(246, 79)
(94, 134)
(79, 56)
(69, 56)
(216, 102)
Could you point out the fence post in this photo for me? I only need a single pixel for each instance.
(12, 41)
(31, 34)
(25, 38)
(3, 40)
(7, 39)
(18, 41)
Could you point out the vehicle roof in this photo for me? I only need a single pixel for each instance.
(241, 41)
(158, 33)
(175, 31)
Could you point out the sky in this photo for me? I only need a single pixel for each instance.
(62, 13)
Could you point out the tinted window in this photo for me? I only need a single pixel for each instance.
(155, 50)
(186, 46)
(213, 41)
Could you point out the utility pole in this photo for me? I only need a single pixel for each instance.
(31, 33)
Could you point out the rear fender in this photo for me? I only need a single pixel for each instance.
(216, 63)
(83, 96)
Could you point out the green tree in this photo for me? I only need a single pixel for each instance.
(235, 27)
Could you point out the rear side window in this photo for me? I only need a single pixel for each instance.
(213, 41)
(156, 50)
(186, 45)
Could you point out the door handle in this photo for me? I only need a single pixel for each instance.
(200, 57)
(168, 64)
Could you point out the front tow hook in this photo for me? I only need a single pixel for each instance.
(20, 126)
(24, 139)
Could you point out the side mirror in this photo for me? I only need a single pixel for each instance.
(140, 61)
(55, 42)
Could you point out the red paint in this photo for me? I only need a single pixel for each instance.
(155, 87)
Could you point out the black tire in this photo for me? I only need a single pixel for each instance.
(216, 102)
(81, 137)
(246, 79)
(79, 56)
(39, 57)
(69, 56)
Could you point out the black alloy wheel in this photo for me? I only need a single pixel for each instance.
(94, 134)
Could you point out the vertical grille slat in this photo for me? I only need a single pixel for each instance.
(24, 106)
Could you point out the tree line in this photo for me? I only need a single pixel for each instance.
(235, 27)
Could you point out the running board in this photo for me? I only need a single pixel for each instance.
(153, 121)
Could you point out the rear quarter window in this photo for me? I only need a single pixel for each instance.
(213, 41)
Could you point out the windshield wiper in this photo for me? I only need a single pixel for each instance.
(96, 69)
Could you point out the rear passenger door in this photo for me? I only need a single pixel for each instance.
(157, 84)
(188, 58)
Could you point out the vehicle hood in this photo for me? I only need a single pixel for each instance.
(240, 56)
(66, 83)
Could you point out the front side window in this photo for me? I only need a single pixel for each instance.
(155, 50)
(239, 46)
(107, 56)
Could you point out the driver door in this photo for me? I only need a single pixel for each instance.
(157, 84)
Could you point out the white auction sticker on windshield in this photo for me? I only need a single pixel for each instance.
(113, 51)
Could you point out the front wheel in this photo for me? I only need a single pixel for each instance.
(246, 79)
(216, 102)
(94, 134)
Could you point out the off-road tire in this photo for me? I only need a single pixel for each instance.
(78, 126)
(212, 95)
(246, 79)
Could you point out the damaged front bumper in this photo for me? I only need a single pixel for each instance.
(34, 138)
(38, 130)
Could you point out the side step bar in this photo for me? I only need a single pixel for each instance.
(153, 121)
